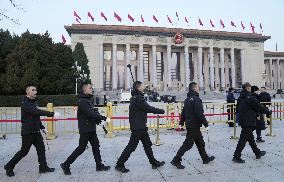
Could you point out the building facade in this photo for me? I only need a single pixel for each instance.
(274, 70)
(169, 58)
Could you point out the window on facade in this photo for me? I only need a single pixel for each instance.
(272, 73)
(107, 55)
(120, 55)
(133, 55)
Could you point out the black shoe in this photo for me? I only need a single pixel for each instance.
(177, 164)
(259, 140)
(102, 168)
(121, 169)
(238, 160)
(46, 169)
(66, 169)
(211, 158)
(261, 153)
(158, 164)
(9, 171)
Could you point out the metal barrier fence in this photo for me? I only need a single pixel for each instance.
(10, 117)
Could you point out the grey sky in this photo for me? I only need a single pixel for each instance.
(52, 15)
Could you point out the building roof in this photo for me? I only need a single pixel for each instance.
(273, 54)
(163, 31)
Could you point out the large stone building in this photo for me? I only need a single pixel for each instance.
(170, 58)
(274, 70)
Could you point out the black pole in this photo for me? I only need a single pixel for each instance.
(129, 66)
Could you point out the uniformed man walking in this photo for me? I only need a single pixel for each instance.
(248, 107)
(193, 116)
(88, 118)
(31, 126)
(138, 110)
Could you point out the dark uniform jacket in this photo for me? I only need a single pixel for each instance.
(230, 98)
(138, 110)
(249, 108)
(87, 116)
(30, 116)
(192, 112)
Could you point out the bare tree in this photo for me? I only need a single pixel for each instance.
(4, 15)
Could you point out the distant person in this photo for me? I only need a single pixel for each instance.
(264, 96)
(230, 108)
(260, 124)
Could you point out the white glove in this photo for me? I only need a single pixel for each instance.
(44, 131)
(108, 120)
(56, 115)
(207, 128)
(103, 123)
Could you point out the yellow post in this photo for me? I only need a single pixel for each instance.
(50, 124)
(2, 133)
(158, 143)
(270, 128)
(234, 120)
(110, 133)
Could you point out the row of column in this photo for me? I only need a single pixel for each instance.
(278, 73)
(169, 57)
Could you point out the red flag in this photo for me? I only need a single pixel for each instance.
(212, 23)
(130, 18)
(233, 24)
(77, 20)
(186, 20)
(222, 23)
(252, 27)
(177, 15)
(117, 17)
(89, 15)
(142, 19)
(155, 19)
(169, 19)
(200, 22)
(76, 15)
(63, 39)
(103, 15)
(243, 25)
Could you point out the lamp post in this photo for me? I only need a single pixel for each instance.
(78, 70)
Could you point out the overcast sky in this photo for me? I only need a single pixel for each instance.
(40, 15)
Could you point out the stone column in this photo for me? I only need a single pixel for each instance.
(270, 73)
(154, 66)
(222, 68)
(211, 63)
(278, 74)
(114, 67)
(227, 77)
(243, 66)
(233, 68)
(186, 66)
(206, 71)
(169, 59)
(101, 66)
(141, 63)
(200, 66)
(127, 72)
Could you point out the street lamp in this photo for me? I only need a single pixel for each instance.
(78, 69)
